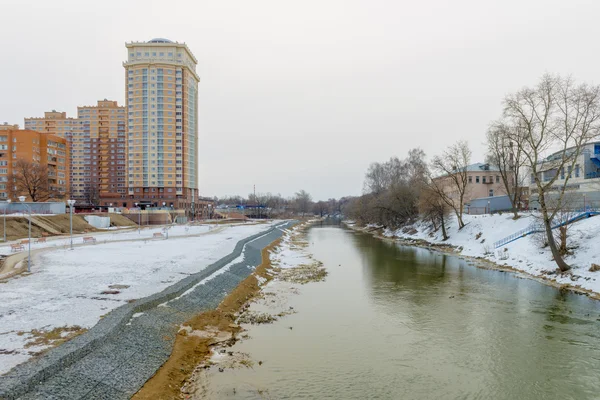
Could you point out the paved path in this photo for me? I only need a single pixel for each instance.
(121, 357)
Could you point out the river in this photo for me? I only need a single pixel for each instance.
(397, 322)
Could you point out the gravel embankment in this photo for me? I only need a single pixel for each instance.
(118, 355)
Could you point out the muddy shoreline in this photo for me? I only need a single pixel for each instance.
(478, 262)
(215, 331)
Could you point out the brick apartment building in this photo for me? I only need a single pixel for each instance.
(38, 148)
(97, 141)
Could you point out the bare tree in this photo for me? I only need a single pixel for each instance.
(320, 208)
(556, 113)
(31, 179)
(376, 179)
(92, 194)
(504, 152)
(303, 202)
(451, 184)
(433, 208)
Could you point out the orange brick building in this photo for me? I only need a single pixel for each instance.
(38, 148)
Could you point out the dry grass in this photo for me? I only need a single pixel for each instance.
(17, 227)
(52, 338)
(190, 350)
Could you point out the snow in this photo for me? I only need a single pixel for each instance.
(65, 287)
(112, 236)
(525, 254)
(287, 254)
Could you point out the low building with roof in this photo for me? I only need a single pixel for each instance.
(483, 180)
(583, 183)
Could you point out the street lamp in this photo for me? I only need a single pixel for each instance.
(22, 200)
(139, 217)
(167, 215)
(584, 209)
(7, 204)
(71, 203)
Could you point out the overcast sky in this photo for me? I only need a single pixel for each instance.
(304, 94)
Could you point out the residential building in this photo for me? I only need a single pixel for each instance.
(99, 154)
(583, 184)
(6, 126)
(162, 106)
(38, 148)
(483, 180)
(55, 123)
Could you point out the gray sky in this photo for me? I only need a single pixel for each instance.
(304, 94)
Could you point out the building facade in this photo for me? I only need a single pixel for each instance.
(161, 86)
(99, 154)
(56, 123)
(583, 186)
(6, 126)
(53, 122)
(37, 148)
(483, 180)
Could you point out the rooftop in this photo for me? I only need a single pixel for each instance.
(160, 40)
(478, 167)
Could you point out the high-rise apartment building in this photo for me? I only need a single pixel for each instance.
(55, 123)
(162, 108)
(99, 153)
(37, 148)
(97, 141)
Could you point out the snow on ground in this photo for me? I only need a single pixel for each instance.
(526, 254)
(66, 287)
(117, 235)
(288, 254)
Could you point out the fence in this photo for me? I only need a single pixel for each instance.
(36, 208)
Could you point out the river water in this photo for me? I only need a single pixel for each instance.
(394, 322)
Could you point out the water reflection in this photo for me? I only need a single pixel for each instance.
(394, 322)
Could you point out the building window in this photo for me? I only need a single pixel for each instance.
(476, 179)
(491, 193)
(470, 177)
(577, 171)
(483, 179)
(497, 179)
(562, 173)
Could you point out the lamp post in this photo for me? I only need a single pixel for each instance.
(584, 209)
(22, 200)
(167, 215)
(139, 218)
(71, 203)
(7, 204)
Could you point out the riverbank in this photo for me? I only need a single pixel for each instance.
(206, 343)
(125, 349)
(70, 291)
(525, 256)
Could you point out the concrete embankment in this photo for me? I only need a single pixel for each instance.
(114, 358)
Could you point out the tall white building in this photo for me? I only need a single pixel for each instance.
(162, 112)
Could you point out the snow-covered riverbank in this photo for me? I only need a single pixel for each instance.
(69, 291)
(477, 239)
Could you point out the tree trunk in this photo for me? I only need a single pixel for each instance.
(444, 234)
(563, 240)
(562, 265)
(458, 213)
(434, 224)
